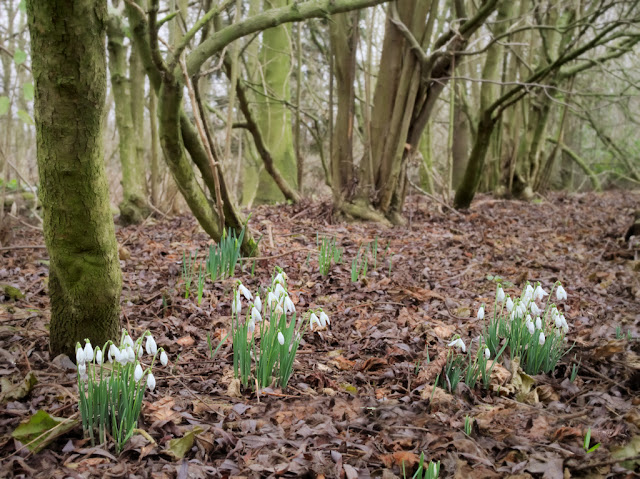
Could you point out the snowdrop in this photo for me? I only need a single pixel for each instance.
(535, 310)
(500, 294)
(481, 313)
(255, 315)
(137, 373)
(528, 293)
(324, 319)
(541, 339)
(82, 370)
(163, 358)
(280, 278)
(487, 353)
(114, 353)
(458, 343)
(313, 320)
(151, 346)
(289, 307)
(279, 291)
(245, 292)
(236, 304)
(258, 303)
(530, 326)
(281, 338)
(80, 356)
(539, 293)
(271, 299)
(88, 352)
(127, 341)
(509, 304)
(538, 323)
(561, 294)
(251, 326)
(98, 356)
(151, 382)
(564, 325)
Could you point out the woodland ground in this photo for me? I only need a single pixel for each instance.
(360, 400)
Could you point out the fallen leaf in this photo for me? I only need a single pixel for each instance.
(41, 429)
(11, 392)
(186, 341)
(177, 448)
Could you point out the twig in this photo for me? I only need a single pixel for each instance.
(610, 462)
(429, 195)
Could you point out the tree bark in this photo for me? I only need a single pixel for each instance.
(69, 68)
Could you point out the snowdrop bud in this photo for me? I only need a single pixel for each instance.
(151, 346)
(88, 352)
(139, 351)
(236, 304)
(538, 323)
(99, 357)
(281, 338)
(137, 373)
(500, 294)
(541, 339)
(535, 310)
(80, 357)
(561, 294)
(531, 327)
(289, 307)
(258, 303)
(509, 304)
(127, 341)
(481, 313)
(487, 353)
(163, 358)
(539, 293)
(245, 292)
(255, 315)
(313, 320)
(151, 382)
(324, 319)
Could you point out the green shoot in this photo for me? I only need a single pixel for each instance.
(587, 442)
(468, 425)
(188, 271)
(202, 277)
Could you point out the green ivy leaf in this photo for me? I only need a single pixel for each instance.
(24, 116)
(27, 91)
(4, 105)
(19, 57)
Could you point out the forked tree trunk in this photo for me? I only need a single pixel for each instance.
(69, 68)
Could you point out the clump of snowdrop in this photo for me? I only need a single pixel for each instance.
(111, 391)
(266, 339)
(530, 330)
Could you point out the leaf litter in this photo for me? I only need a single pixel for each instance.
(362, 401)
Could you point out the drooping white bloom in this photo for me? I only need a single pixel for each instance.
(127, 341)
(281, 338)
(289, 307)
(481, 313)
(280, 278)
(557, 320)
(313, 320)
(528, 291)
(251, 326)
(279, 311)
(509, 304)
(114, 353)
(258, 303)
(528, 318)
(151, 346)
(80, 357)
(564, 325)
(458, 343)
(500, 294)
(236, 304)
(535, 310)
(521, 309)
(137, 373)
(99, 357)
(151, 382)
(139, 351)
(539, 293)
(530, 326)
(88, 352)
(538, 323)
(271, 299)
(561, 294)
(279, 291)
(128, 356)
(82, 370)
(541, 338)
(487, 353)
(245, 292)
(324, 319)
(255, 315)
(163, 358)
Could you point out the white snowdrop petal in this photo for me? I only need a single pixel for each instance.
(137, 373)
(163, 358)
(281, 338)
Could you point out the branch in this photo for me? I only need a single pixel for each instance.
(271, 18)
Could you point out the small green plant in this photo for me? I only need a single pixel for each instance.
(223, 257)
(390, 264)
(468, 425)
(424, 471)
(202, 277)
(574, 370)
(374, 252)
(621, 335)
(587, 442)
(110, 396)
(359, 266)
(188, 271)
(328, 252)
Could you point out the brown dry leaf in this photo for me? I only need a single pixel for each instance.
(234, 390)
(609, 349)
(429, 372)
(206, 404)
(633, 416)
(186, 341)
(442, 331)
(373, 364)
(342, 363)
(423, 295)
(162, 410)
(566, 432)
(398, 458)
(547, 393)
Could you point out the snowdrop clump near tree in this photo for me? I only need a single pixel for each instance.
(266, 340)
(111, 391)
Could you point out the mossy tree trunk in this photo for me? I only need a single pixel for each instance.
(69, 69)
(126, 94)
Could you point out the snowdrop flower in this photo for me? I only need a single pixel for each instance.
(487, 353)
(236, 304)
(280, 278)
(99, 357)
(279, 311)
(530, 326)
(539, 293)
(137, 373)
(251, 326)
(88, 352)
(80, 357)
(255, 315)
(481, 313)
(127, 341)
(151, 382)
(245, 292)
(324, 319)
(564, 325)
(541, 339)
(163, 358)
(535, 310)
(82, 370)
(458, 343)
(528, 318)
(313, 319)
(561, 294)
(281, 338)
(557, 320)
(289, 307)
(521, 309)
(528, 292)
(271, 298)
(509, 304)
(128, 355)
(114, 353)
(538, 323)
(279, 291)
(151, 346)
(258, 303)
(500, 294)
(139, 351)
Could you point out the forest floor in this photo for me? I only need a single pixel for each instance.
(361, 401)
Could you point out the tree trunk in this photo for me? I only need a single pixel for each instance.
(69, 67)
